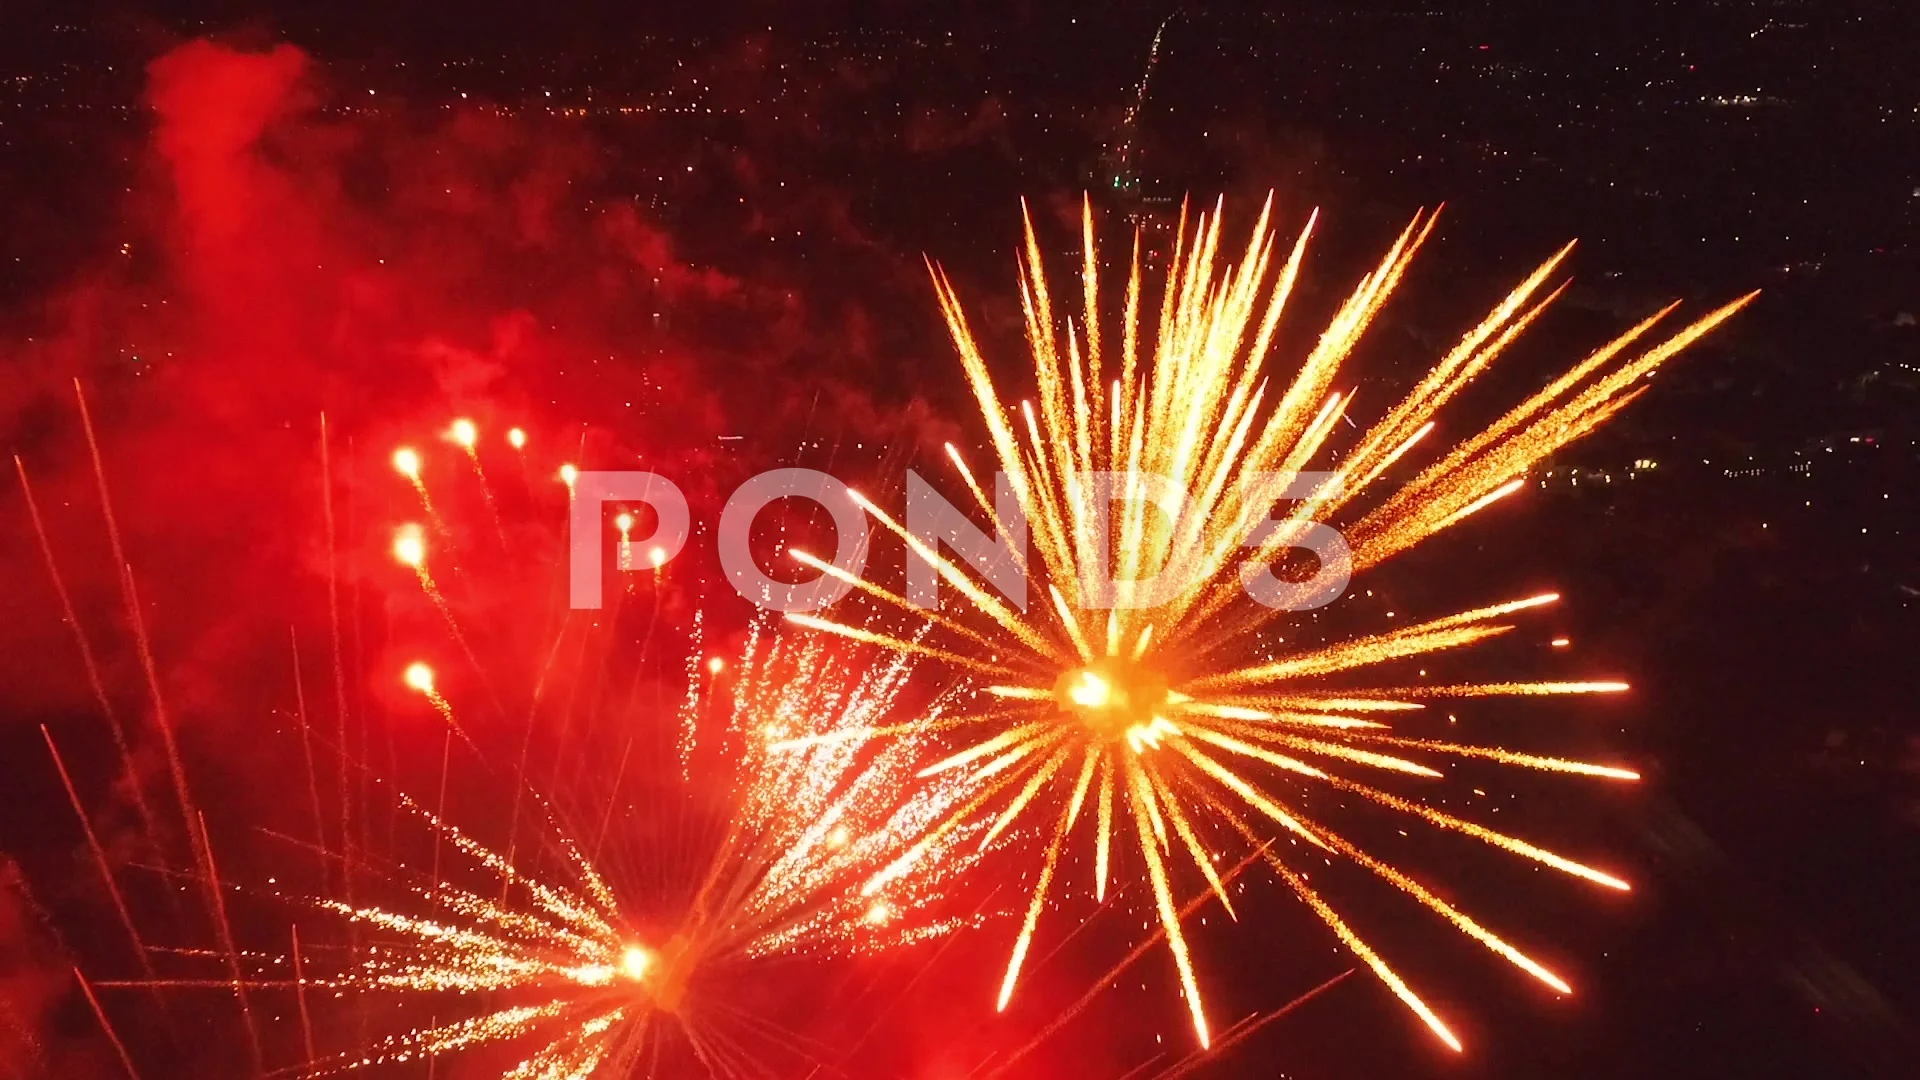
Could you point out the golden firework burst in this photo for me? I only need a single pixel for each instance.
(1144, 698)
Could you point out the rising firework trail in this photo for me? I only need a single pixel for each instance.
(1125, 149)
(1152, 701)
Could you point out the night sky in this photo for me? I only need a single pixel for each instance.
(696, 239)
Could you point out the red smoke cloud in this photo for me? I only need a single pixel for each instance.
(290, 254)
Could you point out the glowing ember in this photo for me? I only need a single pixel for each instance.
(410, 545)
(1115, 699)
(634, 962)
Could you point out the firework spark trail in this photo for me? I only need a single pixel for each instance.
(306, 751)
(100, 858)
(136, 617)
(406, 462)
(100, 1014)
(339, 659)
(613, 797)
(1066, 1016)
(410, 550)
(300, 996)
(217, 890)
(87, 659)
(1164, 680)
(420, 677)
(1246, 1030)
(533, 710)
(466, 435)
